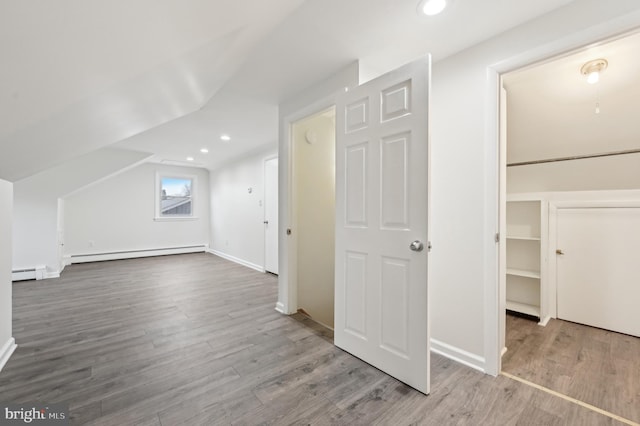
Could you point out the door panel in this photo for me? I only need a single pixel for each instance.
(356, 294)
(357, 115)
(382, 186)
(598, 273)
(356, 185)
(394, 319)
(394, 180)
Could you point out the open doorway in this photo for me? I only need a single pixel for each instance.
(573, 206)
(313, 202)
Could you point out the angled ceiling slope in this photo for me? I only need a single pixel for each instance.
(79, 75)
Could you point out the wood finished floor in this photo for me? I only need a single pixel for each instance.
(596, 366)
(195, 340)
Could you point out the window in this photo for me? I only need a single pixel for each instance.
(175, 197)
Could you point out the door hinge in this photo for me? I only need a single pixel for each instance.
(497, 238)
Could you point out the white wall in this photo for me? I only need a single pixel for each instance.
(464, 168)
(35, 239)
(6, 213)
(314, 198)
(237, 215)
(34, 230)
(591, 174)
(118, 214)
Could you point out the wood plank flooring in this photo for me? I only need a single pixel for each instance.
(599, 367)
(195, 340)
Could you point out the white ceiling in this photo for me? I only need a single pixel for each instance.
(552, 109)
(169, 76)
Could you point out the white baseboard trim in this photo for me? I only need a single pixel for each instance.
(236, 260)
(280, 308)
(34, 273)
(459, 355)
(41, 272)
(21, 275)
(52, 274)
(133, 254)
(7, 351)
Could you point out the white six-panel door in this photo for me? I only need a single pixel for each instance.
(382, 170)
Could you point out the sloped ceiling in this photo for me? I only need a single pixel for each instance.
(81, 74)
(167, 76)
(552, 109)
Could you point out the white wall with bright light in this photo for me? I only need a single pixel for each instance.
(314, 203)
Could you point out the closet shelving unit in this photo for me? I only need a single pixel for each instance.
(527, 230)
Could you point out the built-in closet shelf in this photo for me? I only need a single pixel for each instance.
(514, 237)
(523, 273)
(523, 308)
(526, 256)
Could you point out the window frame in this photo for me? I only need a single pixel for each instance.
(158, 196)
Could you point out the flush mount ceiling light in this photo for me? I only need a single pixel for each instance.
(204, 151)
(225, 138)
(592, 70)
(432, 7)
(190, 158)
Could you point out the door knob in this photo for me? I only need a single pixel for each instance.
(416, 246)
(559, 251)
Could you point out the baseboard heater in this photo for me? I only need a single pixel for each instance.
(37, 273)
(132, 254)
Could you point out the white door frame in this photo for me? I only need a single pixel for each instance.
(264, 203)
(495, 300)
(287, 244)
(60, 234)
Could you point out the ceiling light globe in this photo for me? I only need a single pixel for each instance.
(433, 7)
(593, 77)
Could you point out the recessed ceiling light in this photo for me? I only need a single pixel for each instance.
(225, 138)
(432, 7)
(204, 151)
(190, 158)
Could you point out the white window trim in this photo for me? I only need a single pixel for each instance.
(158, 190)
